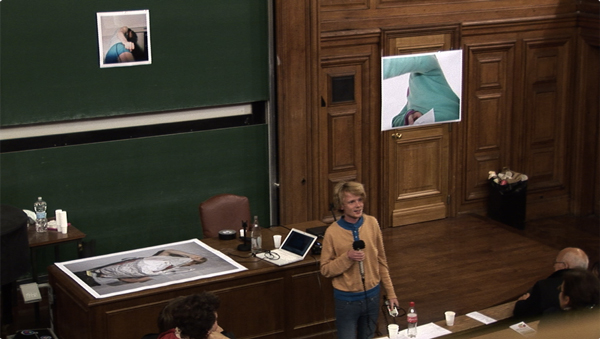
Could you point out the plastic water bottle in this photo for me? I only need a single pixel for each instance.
(411, 318)
(41, 222)
(256, 236)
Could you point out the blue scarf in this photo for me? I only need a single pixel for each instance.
(351, 227)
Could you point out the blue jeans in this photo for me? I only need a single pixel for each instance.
(356, 319)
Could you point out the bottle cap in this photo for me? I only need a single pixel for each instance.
(412, 304)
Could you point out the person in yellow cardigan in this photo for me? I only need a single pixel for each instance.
(356, 290)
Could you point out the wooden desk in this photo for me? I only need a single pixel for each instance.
(266, 301)
(464, 323)
(48, 238)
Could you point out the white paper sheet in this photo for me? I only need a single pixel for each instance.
(426, 331)
(481, 318)
(427, 118)
(523, 329)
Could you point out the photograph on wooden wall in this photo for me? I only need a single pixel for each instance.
(124, 38)
(150, 267)
(421, 89)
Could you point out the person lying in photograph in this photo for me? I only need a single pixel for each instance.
(135, 270)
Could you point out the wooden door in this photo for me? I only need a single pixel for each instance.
(416, 160)
(345, 126)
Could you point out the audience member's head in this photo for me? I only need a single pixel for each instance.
(195, 316)
(595, 269)
(165, 318)
(579, 290)
(571, 257)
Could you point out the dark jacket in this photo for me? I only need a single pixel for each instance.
(543, 296)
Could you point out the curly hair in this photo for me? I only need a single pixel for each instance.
(195, 315)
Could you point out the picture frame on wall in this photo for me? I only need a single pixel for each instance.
(421, 89)
(124, 38)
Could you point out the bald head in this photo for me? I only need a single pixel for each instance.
(571, 257)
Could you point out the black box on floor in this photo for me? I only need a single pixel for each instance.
(507, 203)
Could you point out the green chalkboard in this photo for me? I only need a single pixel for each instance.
(142, 192)
(204, 53)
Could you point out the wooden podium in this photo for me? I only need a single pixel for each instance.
(266, 301)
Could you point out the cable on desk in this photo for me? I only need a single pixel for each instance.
(228, 252)
(268, 255)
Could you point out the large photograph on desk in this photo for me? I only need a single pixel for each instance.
(150, 267)
(421, 89)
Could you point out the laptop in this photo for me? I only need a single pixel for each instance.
(293, 249)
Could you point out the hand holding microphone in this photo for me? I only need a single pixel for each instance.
(358, 245)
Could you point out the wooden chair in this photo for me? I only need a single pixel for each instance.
(223, 211)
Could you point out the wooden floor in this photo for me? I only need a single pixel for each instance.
(461, 264)
(470, 263)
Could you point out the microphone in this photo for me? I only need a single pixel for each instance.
(332, 212)
(357, 246)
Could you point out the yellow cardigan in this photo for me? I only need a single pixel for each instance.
(345, 272)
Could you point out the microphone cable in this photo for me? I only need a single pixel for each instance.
(359, 245)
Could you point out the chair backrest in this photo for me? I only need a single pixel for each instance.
(223, 211)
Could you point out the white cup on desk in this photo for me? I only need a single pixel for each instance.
(276, 241)
(449, 318)
(393, 331)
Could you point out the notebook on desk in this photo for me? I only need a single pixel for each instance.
(293, 249)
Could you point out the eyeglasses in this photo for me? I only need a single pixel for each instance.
(559, 262)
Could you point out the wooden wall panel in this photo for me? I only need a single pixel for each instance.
(312, 318)
(586, 184)
(387, 14)
(336, 5)
(488, 113)
(518, 73)
(545, 109)
(293, 104)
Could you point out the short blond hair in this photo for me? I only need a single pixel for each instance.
(342, 187)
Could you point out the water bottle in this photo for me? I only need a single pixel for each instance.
(411, 318)
(256, 236)
(41, 222)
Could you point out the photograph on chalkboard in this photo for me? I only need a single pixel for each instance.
(421, 89)
(124, 38)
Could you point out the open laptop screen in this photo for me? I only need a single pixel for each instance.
(297, 242)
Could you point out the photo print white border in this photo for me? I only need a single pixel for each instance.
(109, 25)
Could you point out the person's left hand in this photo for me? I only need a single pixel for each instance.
(394, 302)
(413, 117)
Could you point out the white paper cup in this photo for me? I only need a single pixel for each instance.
(58, 217)
(276, 241)
(393, 331)
(64, 222)
(450, 318)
